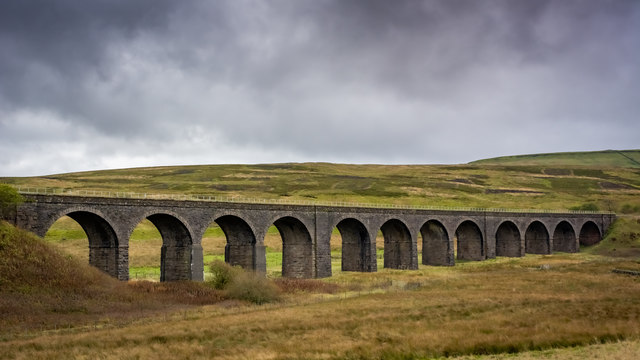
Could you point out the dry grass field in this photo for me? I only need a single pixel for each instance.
(559, 306)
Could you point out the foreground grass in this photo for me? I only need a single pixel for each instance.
(494, 307)
(618, 350)
(562, 306)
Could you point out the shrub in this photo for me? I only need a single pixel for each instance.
(253, 287)
(222, 274)
(9, 199)
(242, 285)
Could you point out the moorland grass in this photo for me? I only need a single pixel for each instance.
(561, 184)
(623, 158)
(475, 308)
(503, 305)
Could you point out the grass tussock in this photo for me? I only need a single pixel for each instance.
(239, 284)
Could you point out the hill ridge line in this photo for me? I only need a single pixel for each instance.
(190, 197)
(628, 157)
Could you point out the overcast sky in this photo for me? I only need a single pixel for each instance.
(102, 84)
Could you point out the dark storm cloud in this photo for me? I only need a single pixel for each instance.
(351, 81)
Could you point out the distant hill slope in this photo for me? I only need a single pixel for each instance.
(561, 181)
(607, 158)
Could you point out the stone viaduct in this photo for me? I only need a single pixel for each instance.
(306, 230)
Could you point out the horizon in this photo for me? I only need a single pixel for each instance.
(319, 162)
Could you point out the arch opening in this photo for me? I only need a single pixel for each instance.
(175, 253)
(590, 234)
(508, 240)
(564, 238)
(145, 249)
(398, 246)
(435, 244)
(76, 229)
(356, 247)
(240, 242)
(469, 244)
(537, 239)
(297, 248)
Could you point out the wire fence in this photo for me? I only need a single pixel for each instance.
(235, 199)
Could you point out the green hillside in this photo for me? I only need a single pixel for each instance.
(608, 158)
(549, 185)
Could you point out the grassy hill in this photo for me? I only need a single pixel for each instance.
(554, 181)
(42, 288)
(608, 158)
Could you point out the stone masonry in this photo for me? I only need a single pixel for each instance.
(306, 230)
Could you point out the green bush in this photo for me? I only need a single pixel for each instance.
(222, 274)
(9, 199)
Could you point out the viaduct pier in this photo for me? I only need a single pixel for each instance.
(447, 235)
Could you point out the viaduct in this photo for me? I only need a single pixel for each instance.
(447, 235)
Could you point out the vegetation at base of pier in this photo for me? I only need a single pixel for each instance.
(242, 285)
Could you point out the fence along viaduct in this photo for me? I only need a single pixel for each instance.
(306, 232)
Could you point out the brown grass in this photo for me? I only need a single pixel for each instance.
(476, 308)
(292, 286)
(563, 309)
(42, 289)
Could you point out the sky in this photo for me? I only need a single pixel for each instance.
(103, 84)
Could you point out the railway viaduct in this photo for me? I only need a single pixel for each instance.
(447, 235)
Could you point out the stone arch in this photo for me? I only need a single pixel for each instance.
(435, 244)
(590, 234)
(356, 246)
(508, 240)
(564, 238)
(104, 250)
(537, 239)
(470, 245)
(297, 248)
(398, 245)
(175, 255)
(241, 241)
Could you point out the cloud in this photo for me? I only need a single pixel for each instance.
(121, 83)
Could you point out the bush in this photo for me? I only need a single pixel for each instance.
(242, 285)
(222, 274)
(252, 287)
(9, 199)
